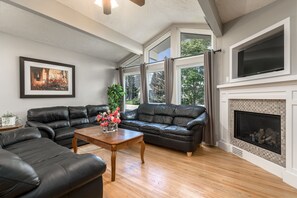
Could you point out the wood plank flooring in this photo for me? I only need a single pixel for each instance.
(210, 172)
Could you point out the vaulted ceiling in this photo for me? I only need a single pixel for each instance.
(81, 26)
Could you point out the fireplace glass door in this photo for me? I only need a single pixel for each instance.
(263, 130)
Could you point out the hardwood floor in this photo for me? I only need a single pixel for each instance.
(210, 172)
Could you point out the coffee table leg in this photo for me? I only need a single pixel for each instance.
(74, 144)
(113, 165)
(142, 151)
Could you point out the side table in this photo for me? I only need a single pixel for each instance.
(8, 128)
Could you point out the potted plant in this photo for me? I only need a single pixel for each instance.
(8, 119)
(115, 94)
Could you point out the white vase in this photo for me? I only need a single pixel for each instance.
(8, 121)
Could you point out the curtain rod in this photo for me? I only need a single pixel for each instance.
(180, 57)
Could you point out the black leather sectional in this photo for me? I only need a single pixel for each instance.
(31, 166)
(173, 126)
(59, 123)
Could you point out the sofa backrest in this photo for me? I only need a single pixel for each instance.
(169, 114)
(94, 110)
(184, 114)
(54, 117)
(78, 115)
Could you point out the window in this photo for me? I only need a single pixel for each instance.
(132, 91)
(160, 51)
(192, 85)
(194, 44)
(156, 87)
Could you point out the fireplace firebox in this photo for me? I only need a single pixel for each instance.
(259, 129)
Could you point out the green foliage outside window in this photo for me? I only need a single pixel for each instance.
(157, 85)
(194, 47)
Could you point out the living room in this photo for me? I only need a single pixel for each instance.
(136, 44)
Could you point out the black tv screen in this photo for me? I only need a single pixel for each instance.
(264, 56)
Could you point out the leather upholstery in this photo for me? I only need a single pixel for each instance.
(94, 110)
(129, 115)
(155, 128)
(188, 111)
(18, 135)
(60, 171)
(78, 116)
(55, 117)
(162, 119)
(181, 121)
(16, 176)
(178, 127)
(59, 123)
(145, 117)
(49, 131)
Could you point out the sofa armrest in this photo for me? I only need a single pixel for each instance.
(129, 115)
(201, 120)
(18, 135)
(50, 132)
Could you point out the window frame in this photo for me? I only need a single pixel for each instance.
(124, 85)
(183, 63)
(194, 31)
(153, 67)
(154, 44)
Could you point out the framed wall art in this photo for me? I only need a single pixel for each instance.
(46, 79)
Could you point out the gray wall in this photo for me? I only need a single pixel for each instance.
(252, 23)
(92, 75)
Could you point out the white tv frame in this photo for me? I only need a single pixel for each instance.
(234, 49)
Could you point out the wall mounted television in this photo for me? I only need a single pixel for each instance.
(266, 55)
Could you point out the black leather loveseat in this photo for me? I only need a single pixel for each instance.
(59, 123)
(173, 126)
(31, 166)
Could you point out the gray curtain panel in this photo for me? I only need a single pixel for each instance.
(121, 75)
(143, 83)
(169, 76)
(209, 133)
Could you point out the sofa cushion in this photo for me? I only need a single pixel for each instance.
(58, 124)
(188, 111)
(164, 110)
(48, 114)
(78, 112)
(145, 117)
(178, 130)
(60, 170)
(154, 128)
(181, 121)
(134, 123)
(162, 119)
(64, 133)
(94, 110)
(16, 176)
(147, 109)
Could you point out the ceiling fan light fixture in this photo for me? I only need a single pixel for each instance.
(113, 3)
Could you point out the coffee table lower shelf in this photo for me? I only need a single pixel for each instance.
(111, 141)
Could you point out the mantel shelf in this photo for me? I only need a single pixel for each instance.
(275, 80)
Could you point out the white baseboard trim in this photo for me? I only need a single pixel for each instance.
(225, 146)
(290, 178)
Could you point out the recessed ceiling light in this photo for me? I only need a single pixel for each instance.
(113, 3)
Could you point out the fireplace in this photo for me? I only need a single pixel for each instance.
(260, 129)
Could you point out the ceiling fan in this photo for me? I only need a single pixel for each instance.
(107, 5)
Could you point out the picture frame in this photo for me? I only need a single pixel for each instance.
(46, 79)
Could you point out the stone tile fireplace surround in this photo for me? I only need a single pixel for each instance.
(276, 96)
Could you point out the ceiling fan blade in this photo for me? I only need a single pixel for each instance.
(106, 7)
(139, 2)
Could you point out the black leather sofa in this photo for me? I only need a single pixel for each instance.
(59, 123)
(173, 126)
(31, 166)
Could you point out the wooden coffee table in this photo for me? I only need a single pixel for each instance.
(112, 141)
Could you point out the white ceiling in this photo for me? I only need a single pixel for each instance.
(141, 23)
(232, 9)
(24, 24)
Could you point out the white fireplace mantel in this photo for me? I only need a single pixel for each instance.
(283, 88)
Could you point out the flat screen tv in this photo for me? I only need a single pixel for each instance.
(263, 56)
